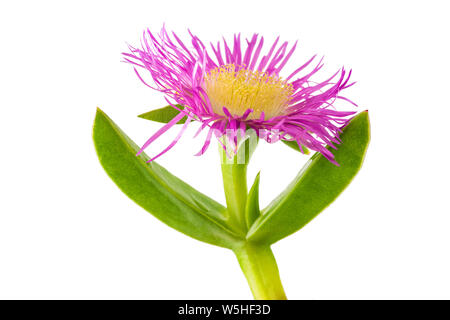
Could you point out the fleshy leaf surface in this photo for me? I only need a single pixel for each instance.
(156, 190)
(163, 115)
(315, 187)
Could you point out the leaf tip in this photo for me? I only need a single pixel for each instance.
(142, 115)
(306, 150)
(258, 175)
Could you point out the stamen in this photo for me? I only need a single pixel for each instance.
(245, 89)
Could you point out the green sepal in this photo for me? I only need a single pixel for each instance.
(164, 115)
(165, 196)
(252, 206)
(316, 186)
(294, 145)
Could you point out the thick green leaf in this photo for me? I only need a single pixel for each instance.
(252, 206)
(315, 187)
(156, 190)
(164, 114)
(294, 145)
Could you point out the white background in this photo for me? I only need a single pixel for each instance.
(66, 231)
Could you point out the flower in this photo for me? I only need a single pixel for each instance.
(234, 89)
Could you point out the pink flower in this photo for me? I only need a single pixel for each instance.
(235, 88)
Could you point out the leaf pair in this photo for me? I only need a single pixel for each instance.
(187, 210)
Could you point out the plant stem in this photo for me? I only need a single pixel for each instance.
(256, 260)
(234, 174)
(260, 268)
(235, 187)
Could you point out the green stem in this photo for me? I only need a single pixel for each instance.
(256, 260)
(234, 173)
(260, 268)
(235, 187)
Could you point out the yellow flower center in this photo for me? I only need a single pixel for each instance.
(246, 89)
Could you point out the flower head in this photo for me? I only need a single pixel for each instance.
(243, 89)
(232, 89)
